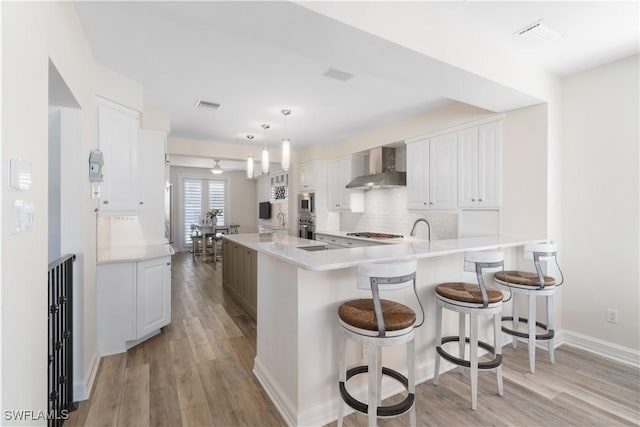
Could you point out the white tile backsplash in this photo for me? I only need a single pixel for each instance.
(386, 211)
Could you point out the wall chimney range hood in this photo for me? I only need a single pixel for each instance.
(382, 171)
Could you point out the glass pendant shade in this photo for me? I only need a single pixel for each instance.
(250, 167)
(265, 161)
(285, 154)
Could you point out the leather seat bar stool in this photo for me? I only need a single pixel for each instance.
(533, 285)
(376, 323)
(473, 300)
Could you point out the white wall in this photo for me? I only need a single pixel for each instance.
(241, 198)
(524, 171)
(32, 35)
(601, 202)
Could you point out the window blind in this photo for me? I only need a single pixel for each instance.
(199, 196)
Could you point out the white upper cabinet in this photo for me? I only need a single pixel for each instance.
(443, 171)
(480, 166)
(118, 140)
(339, 173)
(418, 175)
(431, 173)
(152, 184)
(307, 176)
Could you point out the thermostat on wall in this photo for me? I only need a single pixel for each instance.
(19, 174)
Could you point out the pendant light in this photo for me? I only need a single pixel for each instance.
(286, 142)
(265, 152)
(217, 170)
(250, 161)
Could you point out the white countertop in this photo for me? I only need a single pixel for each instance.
(287, 249)
(133, 253)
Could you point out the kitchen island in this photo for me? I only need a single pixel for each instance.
(298, 294)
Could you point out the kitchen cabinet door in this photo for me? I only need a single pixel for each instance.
(443, 171)
(340, 172)
(480, 166)
(307, 177)
(489, 165)
(153, 295)
(418, 175)
(152, 182)
(116, 296)
(118, 141)
(468, 168)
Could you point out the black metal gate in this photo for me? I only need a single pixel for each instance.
(60, 373)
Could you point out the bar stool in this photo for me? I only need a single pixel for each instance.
(474, 300)
(376, 323)
(533, 285)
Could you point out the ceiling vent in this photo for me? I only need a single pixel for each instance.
(343, 76)
(207, 105)
(539, 32)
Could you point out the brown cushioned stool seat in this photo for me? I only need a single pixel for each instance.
(466, 292)
(523, 278)
(360, 314)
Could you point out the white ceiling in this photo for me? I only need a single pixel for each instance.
(256, 58)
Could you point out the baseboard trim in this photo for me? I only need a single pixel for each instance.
(82, 390)
(279, 399)
(606, 349)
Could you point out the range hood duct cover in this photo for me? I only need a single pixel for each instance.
(382, 171)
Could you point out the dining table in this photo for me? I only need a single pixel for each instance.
(214, 231)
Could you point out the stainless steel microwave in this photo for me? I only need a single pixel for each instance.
(306, 203)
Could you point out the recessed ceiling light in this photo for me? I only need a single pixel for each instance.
(343, 76)
(539, 31)
(207, 105)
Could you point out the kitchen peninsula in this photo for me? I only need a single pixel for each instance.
(298, 293)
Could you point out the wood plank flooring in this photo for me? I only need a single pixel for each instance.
(197, 372)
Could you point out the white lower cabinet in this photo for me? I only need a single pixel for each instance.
(134, 302)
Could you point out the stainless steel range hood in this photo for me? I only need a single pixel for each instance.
(382, 171)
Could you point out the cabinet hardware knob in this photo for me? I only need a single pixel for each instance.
(430, 203)
(168, 263)
(106, 202)
(141, 203)
(473, 200)
(479, 200)
(424, 203)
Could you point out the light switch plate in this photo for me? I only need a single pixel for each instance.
(19, 174)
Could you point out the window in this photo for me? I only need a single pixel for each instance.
(199, 196)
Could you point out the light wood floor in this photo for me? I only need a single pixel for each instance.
(197, 372)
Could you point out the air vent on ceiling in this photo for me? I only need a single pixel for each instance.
(539, 31)
(207, 105)
(338, 75)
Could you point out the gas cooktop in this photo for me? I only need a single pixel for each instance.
(370, 235)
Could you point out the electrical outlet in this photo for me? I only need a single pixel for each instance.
(612, 316)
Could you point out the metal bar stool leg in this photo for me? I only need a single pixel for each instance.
(462, 334)
(532, 333)
(550, 316)
(379, 384)
(374, 368)
(411, 369)
(516, 320)
(497, 336)
(436, 373)
(473, 349)
(342, 370)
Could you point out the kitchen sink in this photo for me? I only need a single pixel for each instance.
(315, 248)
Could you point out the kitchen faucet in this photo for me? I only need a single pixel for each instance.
(413, 229)
(278, 217)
